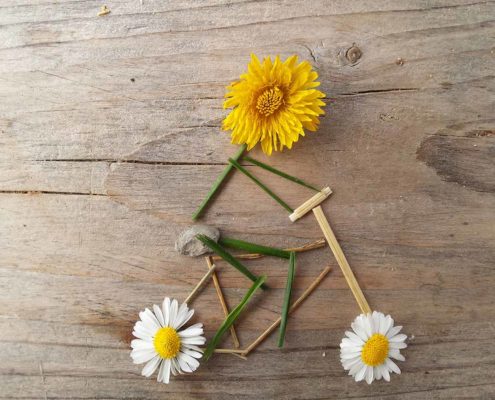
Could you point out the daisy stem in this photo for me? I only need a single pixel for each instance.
(286, 303)
(280, 173)
(233, 315)
(260, 184)
(217, 184)
(253, 248)
(219, 250)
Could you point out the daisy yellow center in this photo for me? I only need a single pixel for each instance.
(375, 350)
(167, 342)
(269, 101)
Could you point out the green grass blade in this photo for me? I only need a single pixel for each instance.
(260, 184)
(229, 321)
(280, 173)
(216, 184)
(253, 247)
(286, 304)
(219, 250)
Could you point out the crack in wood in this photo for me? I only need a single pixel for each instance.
(36, 192)
(371, 91)
(124, 161)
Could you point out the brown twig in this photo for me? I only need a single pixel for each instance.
(234, 352)
(306, 247)
(225, 309)
(199, 284)
(296, 304)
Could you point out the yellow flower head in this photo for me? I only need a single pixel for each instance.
(273, 103)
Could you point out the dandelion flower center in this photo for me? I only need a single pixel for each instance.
(270, 101)
(167, 342)
(375, 350)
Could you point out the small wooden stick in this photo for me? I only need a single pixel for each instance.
(344, 265)
(225, 309)
(239, 356)
(234, 352)
(229, 351)
(296, 304)
(305, 247)
(308, 205)
(200, 283)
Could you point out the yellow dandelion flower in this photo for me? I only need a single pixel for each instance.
(273, 102)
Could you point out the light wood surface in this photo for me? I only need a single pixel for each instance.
(110, 138)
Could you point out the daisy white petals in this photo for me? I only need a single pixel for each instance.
(142, 332)
(140, 344)
(149, 319)
(166, 309)
(151, 366)
(367, 351)
(183, 315)
(174, 308)
(164, 373)
(398, 338)
(161, 346)
(385, 373)
(159, 314)
(142, 355)
(393, 331)
(197, 340)
(193, 330)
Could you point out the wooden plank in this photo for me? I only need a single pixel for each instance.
(108, 123)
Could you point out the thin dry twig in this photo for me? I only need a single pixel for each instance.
(200, 284)
(225, 308)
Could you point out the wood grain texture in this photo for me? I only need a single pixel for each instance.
(107, 125)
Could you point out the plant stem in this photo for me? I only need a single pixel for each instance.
(280, 173)
(254, 248)
(286, 303)
(217, 184)
(219, 250)
(260, 184)
(227, 323)
(253, 256)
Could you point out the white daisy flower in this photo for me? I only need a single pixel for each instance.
(367, 352)
(160, 344)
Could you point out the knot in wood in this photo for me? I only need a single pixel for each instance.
(353, 54)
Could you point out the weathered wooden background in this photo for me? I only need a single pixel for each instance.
(109, 133)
